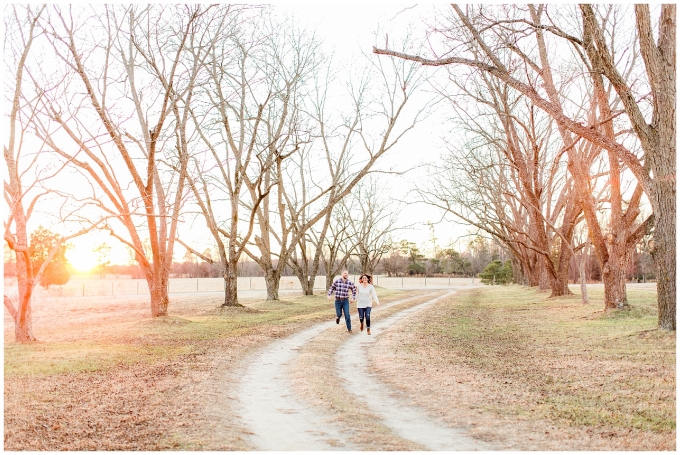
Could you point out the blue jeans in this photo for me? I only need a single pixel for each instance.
(367, 313)
(340, 306)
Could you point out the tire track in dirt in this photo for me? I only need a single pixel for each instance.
(270, 411)
(274, 417)
(405, 420)
(278, 420)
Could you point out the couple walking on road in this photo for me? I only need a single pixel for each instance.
(363, 295)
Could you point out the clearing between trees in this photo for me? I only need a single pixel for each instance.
(507, 365)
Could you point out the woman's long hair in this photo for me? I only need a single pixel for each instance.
(368, 277)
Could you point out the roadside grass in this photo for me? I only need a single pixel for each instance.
(552, 362)
(153, 340)
(145, 384)
(140, 383)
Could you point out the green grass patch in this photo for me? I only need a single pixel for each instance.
(79, 357)
(160, 339)
(572, 363)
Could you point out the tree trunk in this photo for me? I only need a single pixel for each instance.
(305, 276)
(23, 327)
(23, 330)
(560, 285)
(544, 281)
(582, 278)
(308, 285)
(614, 275)
(663, 253)
(614, 279)
(231, 287)
(532, 276)
(329, 281)
(532, 269)
(158, 288)
(272, 279)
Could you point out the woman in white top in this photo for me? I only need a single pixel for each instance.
(365, 296)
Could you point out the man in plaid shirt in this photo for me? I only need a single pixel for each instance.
(341, 287)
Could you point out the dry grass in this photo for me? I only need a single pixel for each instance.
(106, 376)
(314, 378)
(510, 365)
(532, 373)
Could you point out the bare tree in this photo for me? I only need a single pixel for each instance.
(394, 262)
(339, 244)
(373, 219)
(290, 59)
(229, 164)
(358, 226)
(125, 73)
(306, 257)
(510, 179)
(571, 129)
(28, 172)
(657, 137)
(351, 153)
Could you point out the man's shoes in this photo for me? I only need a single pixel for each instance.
(362, 326)
(368, 331)
(337, 320)
(349, 330)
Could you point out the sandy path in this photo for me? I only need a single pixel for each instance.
(407, 421)
(277, 420)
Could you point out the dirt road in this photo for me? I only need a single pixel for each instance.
(280, 420)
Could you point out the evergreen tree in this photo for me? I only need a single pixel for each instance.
(497, 273)
(41, 244)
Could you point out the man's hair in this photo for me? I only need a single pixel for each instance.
(344, 270)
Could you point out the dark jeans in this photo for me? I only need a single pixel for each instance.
(340, 306)
(365, 312)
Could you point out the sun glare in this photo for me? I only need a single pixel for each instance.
(81, 259)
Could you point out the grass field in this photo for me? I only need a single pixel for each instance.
(492, 357)
(505, 362)
(106, 376)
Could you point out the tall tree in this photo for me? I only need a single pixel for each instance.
(28, 173)
(228, 165)
(290, 59)
(351, 145)
(509, 179)
(373, 219)
(656, 132)
(658, 183)
(114, 122)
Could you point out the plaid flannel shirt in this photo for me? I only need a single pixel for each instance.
(342, 288)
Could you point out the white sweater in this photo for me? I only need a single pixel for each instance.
(365, 295)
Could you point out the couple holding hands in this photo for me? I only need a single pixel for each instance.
(363, 295)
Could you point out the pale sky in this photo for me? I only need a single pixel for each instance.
(348, 29)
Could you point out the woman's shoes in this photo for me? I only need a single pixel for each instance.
(368, 331)
(362, 326)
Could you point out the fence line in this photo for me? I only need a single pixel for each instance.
(88, 287)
